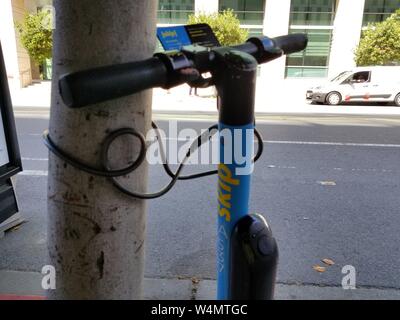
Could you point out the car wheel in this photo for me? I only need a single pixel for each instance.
(397, 100)
(333, 98)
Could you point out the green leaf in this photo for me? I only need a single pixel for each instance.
(225, 25)
(36, 37)
(380, 43)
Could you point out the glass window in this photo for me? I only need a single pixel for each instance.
(255, 32)
(341, 76)
(174, 11)
(312, 12)
(361, 77)
(379, 10)
(250, 12)
(306, 72)
(312, 62)
(315, 18)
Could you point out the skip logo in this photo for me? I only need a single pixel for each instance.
(167, 34)
(225, 184)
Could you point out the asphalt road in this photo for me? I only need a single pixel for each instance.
(353, 221)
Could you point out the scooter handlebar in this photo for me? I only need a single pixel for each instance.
(97, 85)
(92, 86)
(291, 43)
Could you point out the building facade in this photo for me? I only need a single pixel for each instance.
(21, 70)
(333, 27)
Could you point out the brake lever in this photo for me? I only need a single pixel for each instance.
(200, 81)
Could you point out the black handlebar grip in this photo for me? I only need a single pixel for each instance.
(291, 43)
(105, 83)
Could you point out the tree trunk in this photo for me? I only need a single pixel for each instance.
(95, 233)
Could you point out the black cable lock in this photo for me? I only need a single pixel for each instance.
(107, 172)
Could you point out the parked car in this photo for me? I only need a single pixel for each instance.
(364, 84)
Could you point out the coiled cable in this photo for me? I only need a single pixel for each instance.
(111, 174)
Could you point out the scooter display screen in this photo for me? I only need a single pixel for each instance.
(175, 37)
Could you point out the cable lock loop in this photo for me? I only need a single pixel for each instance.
(107, 172)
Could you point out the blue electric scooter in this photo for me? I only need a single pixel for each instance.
(247, 253)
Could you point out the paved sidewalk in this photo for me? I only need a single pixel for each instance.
(290, 100)
(27, 285)
(34, 96)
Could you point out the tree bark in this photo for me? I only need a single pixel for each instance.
(95, 233)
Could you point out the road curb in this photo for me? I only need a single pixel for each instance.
(27, 285)
(18, 110)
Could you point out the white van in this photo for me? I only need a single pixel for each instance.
(364, 84)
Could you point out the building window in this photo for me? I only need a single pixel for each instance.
(174, 11)
(312, 62)
(312, 12)
(315, 18)
(256, 32)
(379, 10)
(249, 12)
